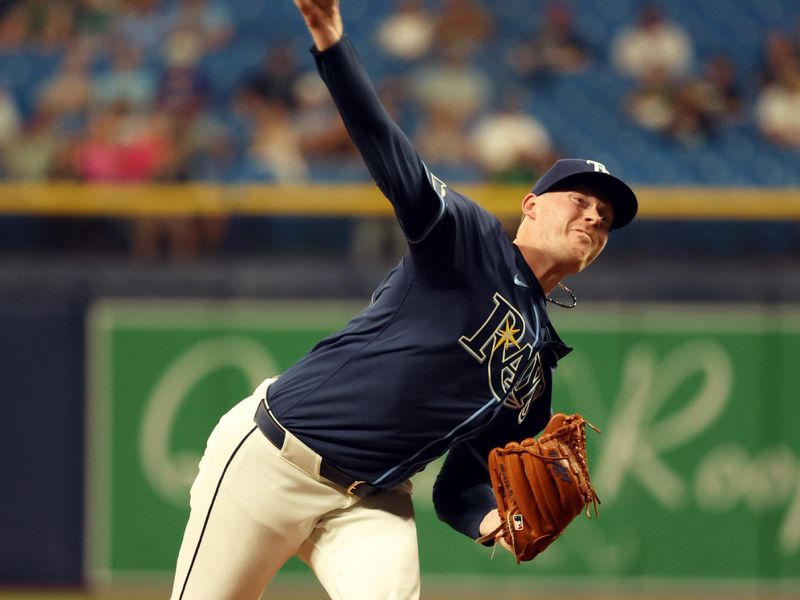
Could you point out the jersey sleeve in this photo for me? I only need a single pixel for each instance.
(462, 494)
(388, 154)
(467, 241)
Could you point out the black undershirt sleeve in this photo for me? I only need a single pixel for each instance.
(389, 155)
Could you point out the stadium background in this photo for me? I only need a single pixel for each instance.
(115, 320)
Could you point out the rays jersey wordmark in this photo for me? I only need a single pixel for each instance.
(514, 370)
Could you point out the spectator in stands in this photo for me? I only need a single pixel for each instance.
(451, 82)
(274, 150)
(142, 24)
(50, 23)
(692, 123)
(276, 76)
(777, 108)
(10, 119)
(13, 28)
(408, 32)
(652, 43)
(780, 52)
(95, 156)
(291, 123)
(323, 136)
(464, 24)
(690, 110)
(510, 144)
(441, 137)
(148, 148)
(555, 47)
(67, 94)
(701, 106)
(196, 28)
(91, 21)
(652, 103)
(720, 91)
(39, 150)
(128, 81)
(182, 90)
(120, 145)
(206, 149)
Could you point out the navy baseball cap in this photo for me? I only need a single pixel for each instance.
(569, 172)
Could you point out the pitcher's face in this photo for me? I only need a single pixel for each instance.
(571, 226)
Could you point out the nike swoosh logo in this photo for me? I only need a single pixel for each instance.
(518, 280)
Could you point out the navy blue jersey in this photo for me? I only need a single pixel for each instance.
(455, 348)
(455, 342)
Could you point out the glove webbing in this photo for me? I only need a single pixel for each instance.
(575, 444)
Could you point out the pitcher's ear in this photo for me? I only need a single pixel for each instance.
(529, 204)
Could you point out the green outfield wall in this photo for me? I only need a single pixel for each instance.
(697, 465)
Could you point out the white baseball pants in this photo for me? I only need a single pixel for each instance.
(254, 506)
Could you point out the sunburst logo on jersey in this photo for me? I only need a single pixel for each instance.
(507, 336)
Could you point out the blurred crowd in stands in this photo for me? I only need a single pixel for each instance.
(122, 90)
(125, 101)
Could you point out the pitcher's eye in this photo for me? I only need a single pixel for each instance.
(579, 200)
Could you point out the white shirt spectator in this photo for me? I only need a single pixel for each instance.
(777, 109)
(452, 84)
(653, 43)
(503, 141)
(408, 32)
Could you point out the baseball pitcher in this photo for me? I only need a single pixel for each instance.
(455, 355)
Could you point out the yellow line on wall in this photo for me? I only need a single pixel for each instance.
(359, 200)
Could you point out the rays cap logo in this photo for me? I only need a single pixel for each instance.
(568, 173)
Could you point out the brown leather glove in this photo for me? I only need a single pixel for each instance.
(541, 485)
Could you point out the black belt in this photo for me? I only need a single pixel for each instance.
(276, 434)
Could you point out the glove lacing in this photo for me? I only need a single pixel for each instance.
(573, 430)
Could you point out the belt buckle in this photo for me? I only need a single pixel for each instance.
(351, 489)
